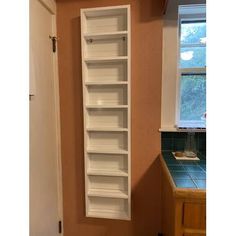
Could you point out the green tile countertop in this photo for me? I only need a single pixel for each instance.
(186, 174)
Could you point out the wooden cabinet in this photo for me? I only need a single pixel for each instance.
(194, 215)
(183, 210)
(189, 216)
(105, 40)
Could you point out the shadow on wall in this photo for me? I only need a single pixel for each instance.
(146, 200)
(78, 112)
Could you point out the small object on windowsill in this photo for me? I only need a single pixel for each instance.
(184, 157)
(179, 154)
(190, 154)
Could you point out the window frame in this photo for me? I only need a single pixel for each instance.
(191, 13)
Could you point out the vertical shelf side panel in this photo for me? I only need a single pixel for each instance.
(84, 72)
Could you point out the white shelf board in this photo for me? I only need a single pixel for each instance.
(106, 106)
(107, 129)
(105, 11)
(98, 213)
(106, 151)
(121, 173)
(108, 193)
(106, 83)
(105, 59)
(105, 35)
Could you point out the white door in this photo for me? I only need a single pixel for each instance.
(45, 174)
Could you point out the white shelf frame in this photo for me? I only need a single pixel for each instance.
(100, 211)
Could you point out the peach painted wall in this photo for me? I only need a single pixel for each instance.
(146, 25)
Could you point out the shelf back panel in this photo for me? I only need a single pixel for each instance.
(113, 72)
(107, 95)
(109, 204)
(106, 23)
(108, 183)
(108, 162)
(107, 140)
(112, 118)
(106, 48)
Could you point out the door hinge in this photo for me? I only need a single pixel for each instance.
(31, 96)
(54, 42)
(60, 227)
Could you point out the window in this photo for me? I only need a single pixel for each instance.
(192, 67)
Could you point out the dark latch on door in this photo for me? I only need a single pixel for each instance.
(60, 227)
(54, 41)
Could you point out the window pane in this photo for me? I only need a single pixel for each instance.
(193, 33)
(193, 98)
(192, 57)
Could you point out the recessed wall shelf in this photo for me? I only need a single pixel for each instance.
(105, 40)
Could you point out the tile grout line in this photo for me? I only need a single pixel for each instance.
(195, 183)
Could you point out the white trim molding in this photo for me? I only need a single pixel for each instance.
(50, 5)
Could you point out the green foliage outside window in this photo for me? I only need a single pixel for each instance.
(193, 86)
(193, 97)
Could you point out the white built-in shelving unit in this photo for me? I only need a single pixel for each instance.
(105, 40)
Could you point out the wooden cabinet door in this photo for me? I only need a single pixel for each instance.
(194, 215)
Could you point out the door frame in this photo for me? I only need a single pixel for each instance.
(50, 5)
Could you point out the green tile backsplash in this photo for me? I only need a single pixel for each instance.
(175, 141)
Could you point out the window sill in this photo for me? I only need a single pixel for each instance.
(174, 129)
